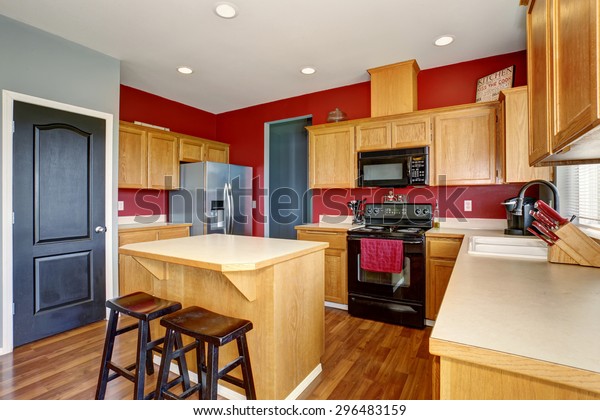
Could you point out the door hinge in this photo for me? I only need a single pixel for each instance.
(13, 127)
(13, 217)
(13, 308)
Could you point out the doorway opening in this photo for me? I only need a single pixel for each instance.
(289, 201)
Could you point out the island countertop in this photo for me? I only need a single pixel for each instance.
(223, 253)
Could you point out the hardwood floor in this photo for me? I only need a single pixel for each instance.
(363, 360)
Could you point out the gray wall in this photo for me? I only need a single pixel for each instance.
(36, 63)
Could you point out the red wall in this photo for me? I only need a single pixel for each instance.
(441, 86)
(137, 105)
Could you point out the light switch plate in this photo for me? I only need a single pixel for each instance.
(121, 205)
(468, 205)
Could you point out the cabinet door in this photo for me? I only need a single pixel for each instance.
(133, 157)
(217, 152)
(516, 141)
(163, 161)
(373, 136)
(438, 276)
(332, 158)
(336, 283)
(575, 68)
(539, 53)
(464, 150)
(191, 150)
(411, 132)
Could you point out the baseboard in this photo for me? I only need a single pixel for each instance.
(229, 394)
(429, 323)
(336, 305)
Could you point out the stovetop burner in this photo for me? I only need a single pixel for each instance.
(395, 220)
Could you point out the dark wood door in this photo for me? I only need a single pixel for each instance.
(58, 202)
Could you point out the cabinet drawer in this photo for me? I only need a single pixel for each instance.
(133, 237)
(443, 248)
(335, 240)
(179, 232)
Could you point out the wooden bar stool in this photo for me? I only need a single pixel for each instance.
(214, 330)
(144, 308)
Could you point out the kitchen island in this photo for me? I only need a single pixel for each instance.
(275, 283)
(515, 328)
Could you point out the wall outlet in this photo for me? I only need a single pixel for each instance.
(253, 204)
(468, 205)
(121, 205)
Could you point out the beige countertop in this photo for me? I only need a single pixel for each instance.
(148, 226)
(224, 253)
(534, 309)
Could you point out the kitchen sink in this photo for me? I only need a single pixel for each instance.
(508, 247)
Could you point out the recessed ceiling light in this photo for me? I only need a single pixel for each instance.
(308, 70)
(185, 70)
(444, 40)
(226, 10)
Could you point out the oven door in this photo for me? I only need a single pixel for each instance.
(409, 285)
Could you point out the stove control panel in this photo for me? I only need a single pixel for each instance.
(391, 213)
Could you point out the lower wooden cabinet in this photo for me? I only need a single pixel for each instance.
(150, 233)
(441, 256)
(336, 261)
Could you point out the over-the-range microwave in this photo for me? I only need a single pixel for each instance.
(394, 168)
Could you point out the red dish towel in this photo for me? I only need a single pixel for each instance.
(382, 255)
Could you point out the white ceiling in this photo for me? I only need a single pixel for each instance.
(256, 57)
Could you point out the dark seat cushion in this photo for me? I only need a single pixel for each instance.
(143, 306)
(205, 325)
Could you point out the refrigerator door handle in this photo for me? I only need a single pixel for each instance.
(231, 210)
(227, 209)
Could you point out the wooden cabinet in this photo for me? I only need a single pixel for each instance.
(562, 44)
(373, 136)
(403, 132)
(133, 157)
(394, 88)
(464, 146)
(515, 143)
(217, 152)
(147, 158)
(196, 149)
(152, 233)
(331, 156)
(441, 256)
(191, 149)
(412, 131)
(163, 161)
(336, 261)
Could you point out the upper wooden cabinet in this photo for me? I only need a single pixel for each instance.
(514, 147)
(191, 149)
(331, 156)
(196, 149)
(163, 161)
(147, 158)
(562, 43)
(217, 152)
(394, 88)
(464, 146)
(403, 132)
(133, 156)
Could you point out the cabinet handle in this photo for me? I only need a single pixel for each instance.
(317, 232)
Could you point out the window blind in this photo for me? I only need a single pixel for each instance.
(579, 189)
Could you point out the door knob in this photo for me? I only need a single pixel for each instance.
(100, 229)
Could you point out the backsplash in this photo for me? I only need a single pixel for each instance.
(485, 199)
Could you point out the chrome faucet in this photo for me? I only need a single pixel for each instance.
(519, 206)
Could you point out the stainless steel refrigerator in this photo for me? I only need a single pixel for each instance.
(214, 198)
